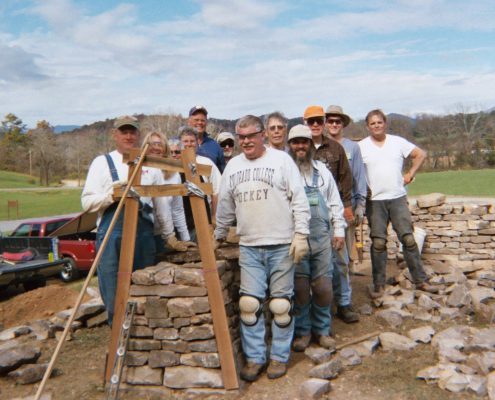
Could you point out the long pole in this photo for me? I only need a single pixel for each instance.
(90, 274)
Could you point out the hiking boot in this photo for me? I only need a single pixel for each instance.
(276, 369)
(301, 343)
(377, 291)
(326, 342)
(347, 314)
(426, 287)
(251, 371)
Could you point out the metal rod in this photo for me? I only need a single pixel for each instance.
(90, 274)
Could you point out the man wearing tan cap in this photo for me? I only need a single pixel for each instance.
(313, 282)
(227, 143)
(105, 173)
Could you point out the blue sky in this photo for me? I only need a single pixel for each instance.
(76, 62)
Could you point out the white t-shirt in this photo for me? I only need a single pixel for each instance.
(384, 166)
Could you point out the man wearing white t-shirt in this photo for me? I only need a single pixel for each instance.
(383, 157)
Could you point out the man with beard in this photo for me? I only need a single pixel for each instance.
(226, 142)
(312, 284)
(261, 189)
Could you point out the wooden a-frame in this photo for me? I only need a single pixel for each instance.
(192, 171)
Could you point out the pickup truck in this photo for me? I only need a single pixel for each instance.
(76, 240)
(28, 261)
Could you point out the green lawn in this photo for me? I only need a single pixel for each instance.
(15, 180)
(460, 183)
(41, 203)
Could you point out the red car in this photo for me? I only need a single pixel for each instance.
(76, 240)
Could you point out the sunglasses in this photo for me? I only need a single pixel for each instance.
(274, 128)
(226, 143)
(333, 121)
(175, 151)
(315, 120)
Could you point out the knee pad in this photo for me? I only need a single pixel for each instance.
(302, 290)
(408, 241)
(281, 310)
(322, 291)
(250, 308)
(379, 244)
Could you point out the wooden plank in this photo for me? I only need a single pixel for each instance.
(212, 280)
(165, 163)
(163, 190)
(124, 275)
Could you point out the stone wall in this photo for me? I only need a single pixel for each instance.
(172, 344)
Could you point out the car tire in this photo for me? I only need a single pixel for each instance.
(69, 271)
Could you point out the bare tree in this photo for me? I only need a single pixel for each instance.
(45, 150)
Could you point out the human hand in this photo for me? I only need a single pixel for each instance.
(408, 178)
(348, 215)
(359, 214)
(338, 242)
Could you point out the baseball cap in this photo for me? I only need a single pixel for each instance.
(225, 136)
(196, 109)
(126, 120)
(300, 131)
(314, 111)
(338, 112)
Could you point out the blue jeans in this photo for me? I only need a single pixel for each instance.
(108, 267)
(341, 283)
(266, 270)
(380, 213)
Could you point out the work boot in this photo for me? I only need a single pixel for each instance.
(276, 369)
(377, 291)
(326, 342)
(347, 314)
(301, 343)
(251, 371)
(426, 287)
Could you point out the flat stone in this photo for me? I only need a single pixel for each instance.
(490, 385)
(440, 268)
(141, 331)
(431, 200)
(144, 375)
(477, 385)
(394, 341)
(368, 347)
(459, 297)
(14, 332)
(350, 356)
(136, 358)
(98, 320)
(205, 346)
(422, 315)
(449, 354)
(166, 334)
(206, 360)
(314, 388)
(189, 333)
(163, 358)
(480, 294)
(148, 276)
(448, 313)
(328, 370)
(365, 309)
(180, 322)
(427, 303)
(456, 382)
(42, 329)
(422, 334)
(318, 355)
(160, 323)
(182, 377)
(13, 358)
(187, 307)
(171, 290)
(30, 373)
(390, 316)
(144, 344)
(156, 308)
(435, 372)
(177, 346)
(189, 277)
(482, 339)
(200, 319)
(455, 334)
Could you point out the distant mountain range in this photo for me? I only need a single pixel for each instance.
(65, 128)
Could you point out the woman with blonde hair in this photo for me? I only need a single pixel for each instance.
(159, 147)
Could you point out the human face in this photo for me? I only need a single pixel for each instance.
(157, 147)
(175, 151)
(198, 122)
(251, 142)
(276, 133)
(300, 147)
(335, 126)
(377, 127)
(316, 125)
(228, 147)
(189, 141)
(126, 138)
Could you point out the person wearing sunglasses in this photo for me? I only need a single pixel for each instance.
(227, 143)
(313, 282)
(261, 189)
(175, 221)
(276, 130)
(174, 145)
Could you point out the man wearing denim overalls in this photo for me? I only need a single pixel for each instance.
(106, 172)
(313, 282)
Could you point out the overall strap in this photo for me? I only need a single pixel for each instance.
(315, 177)
(111, 166)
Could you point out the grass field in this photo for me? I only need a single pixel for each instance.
(15, 180)
(475, 183)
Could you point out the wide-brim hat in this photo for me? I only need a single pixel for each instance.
(300, 131)
(126, 120)
(338, 112)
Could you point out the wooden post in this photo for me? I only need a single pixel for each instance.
(126, 262)
(212, 280)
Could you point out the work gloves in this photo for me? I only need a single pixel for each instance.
(299, 247)
(178, 245)
(359, 214)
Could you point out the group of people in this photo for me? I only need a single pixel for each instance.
(295, 197)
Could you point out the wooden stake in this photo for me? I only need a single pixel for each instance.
(359, 339)
(88, 278)
(212, 280)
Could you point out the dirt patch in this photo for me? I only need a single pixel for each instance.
(41, 303)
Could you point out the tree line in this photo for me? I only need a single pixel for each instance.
(461, 140)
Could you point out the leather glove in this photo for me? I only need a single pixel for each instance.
(359, 214)
(175, 244)
(217, 243)
(348, 215)
(189, 244)
(299, 247)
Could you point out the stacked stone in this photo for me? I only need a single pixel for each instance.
(172, 341)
